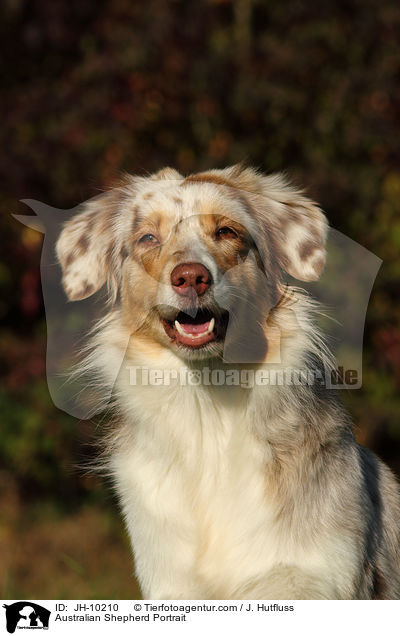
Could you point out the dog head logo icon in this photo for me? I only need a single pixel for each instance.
(26, 615)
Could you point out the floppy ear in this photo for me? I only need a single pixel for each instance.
(87, 246)
(299, 226)
(294, 223)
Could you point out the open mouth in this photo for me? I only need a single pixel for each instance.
(196, 332)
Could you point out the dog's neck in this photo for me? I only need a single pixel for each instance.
(154, 378)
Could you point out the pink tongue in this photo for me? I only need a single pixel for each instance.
(189, 328)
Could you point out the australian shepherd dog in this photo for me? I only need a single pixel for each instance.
(229, 491)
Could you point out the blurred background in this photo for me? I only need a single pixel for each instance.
(90, 88)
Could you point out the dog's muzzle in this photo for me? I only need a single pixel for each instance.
(191, 281)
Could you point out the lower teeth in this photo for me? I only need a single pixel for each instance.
(209, 330)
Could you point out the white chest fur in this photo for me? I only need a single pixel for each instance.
(191, 475)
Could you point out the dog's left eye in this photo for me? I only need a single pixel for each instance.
(149, 238)
(225, 233)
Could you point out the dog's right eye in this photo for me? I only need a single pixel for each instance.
(149, 239)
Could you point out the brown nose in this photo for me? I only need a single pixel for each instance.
(186, 277)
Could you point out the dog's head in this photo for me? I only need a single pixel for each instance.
(187, 258)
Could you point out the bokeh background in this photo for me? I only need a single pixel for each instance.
(90, 88)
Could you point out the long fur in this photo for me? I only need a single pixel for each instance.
(229, 492)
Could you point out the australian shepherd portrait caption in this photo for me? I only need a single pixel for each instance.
(228, 491)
